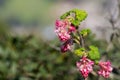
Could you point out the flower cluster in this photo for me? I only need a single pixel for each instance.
(63, 30)
(85, 66)
(105, 69)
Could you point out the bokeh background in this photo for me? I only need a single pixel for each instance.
(29, 48)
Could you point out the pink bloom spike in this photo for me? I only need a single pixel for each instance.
(62, 34)
(66, 46)
(85, 66)
(105, 69)
(72, 29)
(63, 29)
(59, 23)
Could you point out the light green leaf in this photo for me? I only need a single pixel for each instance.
(76, 23)
(65, 15)
(79, 52)
(94, 53)
(85, 32)
(80, 15)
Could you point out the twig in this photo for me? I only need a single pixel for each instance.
(82, 42)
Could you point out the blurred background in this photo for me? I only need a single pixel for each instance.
(29, 48)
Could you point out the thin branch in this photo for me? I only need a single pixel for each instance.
(82, 42)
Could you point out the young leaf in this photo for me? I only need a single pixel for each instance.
(65, 15)
(80, 15)
(94, 53)
(76, 23)
(85, 32)
(79, 52)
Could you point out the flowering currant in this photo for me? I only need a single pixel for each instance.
(69, 34)
(63, 31)
(105, 69)
(85, 66)
(62, 34)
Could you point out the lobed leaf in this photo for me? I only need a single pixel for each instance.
(80, 15)
(79, 52)
(94, 53)
(85, 32)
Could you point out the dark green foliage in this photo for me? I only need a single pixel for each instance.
(29, 58)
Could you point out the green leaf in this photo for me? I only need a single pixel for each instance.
(65, 15)
(94, 53)
(13, 69)
(3, 67)
(25, 78)
(79, 52)
(96, 61)
(70, 18)
(30, 66)
(80, 14)
(85, 32)
(76, 23)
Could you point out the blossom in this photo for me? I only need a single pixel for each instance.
(105, 69)
(72, 29)
(85, 66)
(61, 30)
(66, 46)
(60, 23)
(62, 34)
(64, 29)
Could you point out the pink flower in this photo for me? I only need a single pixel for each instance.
(64, 29)
(85, 66)
(62, 34)
(66, 46)
(60, 23)
(61, 30)
(105, 69)
(72, 29)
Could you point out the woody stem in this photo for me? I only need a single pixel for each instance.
(82, 42)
